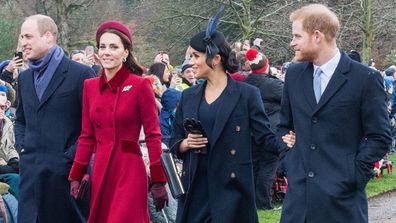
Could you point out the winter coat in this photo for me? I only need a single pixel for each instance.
(46, 135)
(230, 174)
(338, 140)
(113, 114)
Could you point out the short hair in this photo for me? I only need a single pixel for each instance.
(317, 17)
(44, 24)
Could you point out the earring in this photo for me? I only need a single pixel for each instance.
(124, 59)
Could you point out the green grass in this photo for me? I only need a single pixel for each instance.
(375, 187)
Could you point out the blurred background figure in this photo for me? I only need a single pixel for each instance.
(354, 55)
(9, 158)
(188, 76)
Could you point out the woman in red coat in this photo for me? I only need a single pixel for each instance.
(115, 107)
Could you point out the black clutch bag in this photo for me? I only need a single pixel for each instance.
(84, 189)
(174, 182)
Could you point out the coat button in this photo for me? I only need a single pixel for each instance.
(98, 109)
(114, 91)
(111, 125)
(99, 142)
(315, 120)
(238, 128)
(233, 175)
(111, 108)
(313, 147)
(98, 125)
(311, 174)
(233, 152)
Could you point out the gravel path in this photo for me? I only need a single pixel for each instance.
(382, 209)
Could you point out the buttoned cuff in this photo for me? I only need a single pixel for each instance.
(77, 171)
(157, 174)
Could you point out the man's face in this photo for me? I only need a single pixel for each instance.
(302, 43)
(80, 58)
(34, 45)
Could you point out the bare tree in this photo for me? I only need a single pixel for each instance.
(59, 10)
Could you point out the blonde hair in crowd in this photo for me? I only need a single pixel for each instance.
(44, 24)
(317, 17)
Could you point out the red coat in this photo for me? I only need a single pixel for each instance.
(113, 114)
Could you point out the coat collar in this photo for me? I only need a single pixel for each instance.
(337, 80)
(114, 82)
(55, 81)
(226, 107)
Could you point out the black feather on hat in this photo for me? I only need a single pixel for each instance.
(210, 40)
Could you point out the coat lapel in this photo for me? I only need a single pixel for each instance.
(56, 80)
(194, 99)
(31, 89)
(337, 80)
(226, 107)
(307, 83)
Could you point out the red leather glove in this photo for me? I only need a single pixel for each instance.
(74, 185)
(160, 196)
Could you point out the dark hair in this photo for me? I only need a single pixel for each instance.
(158, 70)
(228, 59)
(130, 62)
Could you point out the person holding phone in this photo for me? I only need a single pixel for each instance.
(116, 106)
(17, 64)
(219, 179)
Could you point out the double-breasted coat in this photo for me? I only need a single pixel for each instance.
(46, 133)
(337, 142)
(230, 175)
(114, 112)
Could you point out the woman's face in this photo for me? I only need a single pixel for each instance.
(198, 64)
(166, 75)
(111, 52)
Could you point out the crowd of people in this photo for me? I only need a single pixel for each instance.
(323, 119)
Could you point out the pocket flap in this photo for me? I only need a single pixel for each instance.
(130, 146)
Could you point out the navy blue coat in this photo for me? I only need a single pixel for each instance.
(46, 135)
(230, 175)
(337, 142)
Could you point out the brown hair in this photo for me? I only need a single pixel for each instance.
(317, 17)
(130, 62)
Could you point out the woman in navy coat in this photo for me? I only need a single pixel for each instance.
(219, 181)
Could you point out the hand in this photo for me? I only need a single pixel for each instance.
(94, 59)
(193, 141)
(289, 139)
(175, 81)
(74, 185)
(90, 59)
(14, 64)
(160, 196)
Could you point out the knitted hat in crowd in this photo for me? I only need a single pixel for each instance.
(185, 67)
(3, 88)
(258, 61)
(113, 24)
